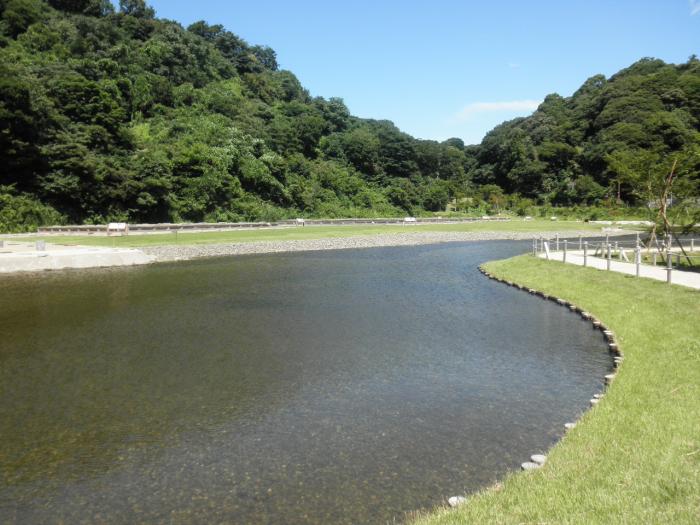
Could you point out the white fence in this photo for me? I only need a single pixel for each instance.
(669, 252)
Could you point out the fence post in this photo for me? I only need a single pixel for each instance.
(564, 257)
(609, 256)
(654, 259)
(556, 236)
(637, 258)
(580, 242)
(669, 267)
(585, 253)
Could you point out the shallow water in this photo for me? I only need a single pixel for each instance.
(326, 387)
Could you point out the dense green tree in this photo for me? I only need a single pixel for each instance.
(562, 153)
(265, 56)
(86, 7)
(18, 15)
(110, 115)
(136, 8)
(437, 195)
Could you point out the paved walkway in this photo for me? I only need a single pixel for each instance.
(25, 257)
(690, 279)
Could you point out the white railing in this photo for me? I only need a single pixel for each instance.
(636, 252)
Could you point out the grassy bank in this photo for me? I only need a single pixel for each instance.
(635, 458)
(317, 232)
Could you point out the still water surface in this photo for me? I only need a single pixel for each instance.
(326, 387)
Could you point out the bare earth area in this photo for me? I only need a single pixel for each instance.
(25, 257)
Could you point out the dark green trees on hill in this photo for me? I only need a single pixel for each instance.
(578, 149)
(115, 114)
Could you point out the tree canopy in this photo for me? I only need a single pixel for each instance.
(115, 114)
(603, 140)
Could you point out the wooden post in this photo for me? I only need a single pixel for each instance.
(580, 242)
(585, 253)
(609, 257)
(564, 257)
(654, 259)
(556, 249)
(669, 267)
(637, 258)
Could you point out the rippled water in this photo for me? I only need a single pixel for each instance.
(327, 387)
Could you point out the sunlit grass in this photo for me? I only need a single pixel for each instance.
(635, 458)
(315, 232)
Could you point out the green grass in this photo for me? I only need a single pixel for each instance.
(635, 458)
(314, 232)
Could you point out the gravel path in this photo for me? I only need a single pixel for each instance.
(192, 251)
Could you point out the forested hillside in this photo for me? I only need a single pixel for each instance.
(607, 140)
(110, 114)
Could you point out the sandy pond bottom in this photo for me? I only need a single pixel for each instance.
(321, 387)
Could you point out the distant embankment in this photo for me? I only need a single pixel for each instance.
(213, 226)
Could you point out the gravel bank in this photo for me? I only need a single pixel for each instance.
(193, 251)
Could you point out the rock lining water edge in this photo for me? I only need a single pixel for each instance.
(537, 460)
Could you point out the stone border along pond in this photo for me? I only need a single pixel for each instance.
(538, 460)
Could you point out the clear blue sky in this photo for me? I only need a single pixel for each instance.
(444, 68)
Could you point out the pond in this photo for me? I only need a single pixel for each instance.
(323, 387)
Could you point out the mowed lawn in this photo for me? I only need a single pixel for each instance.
(315, 232)
(635, 457)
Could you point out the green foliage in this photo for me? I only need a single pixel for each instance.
(19, 212)
(583, 149)
(137, 8)
(18, 15)
(86, 7)
(118, 114)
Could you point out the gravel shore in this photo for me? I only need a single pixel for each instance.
(193, 251)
